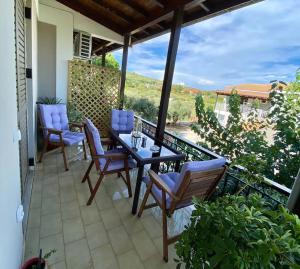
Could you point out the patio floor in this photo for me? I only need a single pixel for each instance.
(102, 235)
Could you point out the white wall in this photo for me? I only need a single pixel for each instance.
(66, 21)
(46, 60)
(11, 238)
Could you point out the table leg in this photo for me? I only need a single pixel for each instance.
(177, 165)
(137, 189)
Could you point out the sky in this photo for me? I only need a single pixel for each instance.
(255, 44)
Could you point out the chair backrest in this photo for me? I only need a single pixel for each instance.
(122, 121)
(94, 141)
(198, 179)
(53, 116)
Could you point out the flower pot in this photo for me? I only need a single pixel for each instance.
(33, 262)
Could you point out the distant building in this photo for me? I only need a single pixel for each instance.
(249, 93)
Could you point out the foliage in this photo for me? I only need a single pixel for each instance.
(46, 256)
(178, 111)
(249, 147)
(239, 232)
(74, 115)
(110, 61)
(49, 100)
(143, 107)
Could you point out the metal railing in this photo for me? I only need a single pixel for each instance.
(232, 182)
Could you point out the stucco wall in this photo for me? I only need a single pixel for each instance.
(10, 198)
(46, 60)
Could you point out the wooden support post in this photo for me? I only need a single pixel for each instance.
(169, 71)
(293, 203)
(123, 70)
(103, 57)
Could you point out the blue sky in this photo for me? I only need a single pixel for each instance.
(255, 44)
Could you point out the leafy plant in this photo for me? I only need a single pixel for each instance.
(110, 61)
(45, 257)
(74, 115)
(49, 100)
(239, 232)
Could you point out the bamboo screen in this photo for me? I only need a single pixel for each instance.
(94, 90)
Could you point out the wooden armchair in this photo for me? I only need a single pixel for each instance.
(56, 129)
(113, 161)
(173, 191)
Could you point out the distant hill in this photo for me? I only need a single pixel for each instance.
(139, 86)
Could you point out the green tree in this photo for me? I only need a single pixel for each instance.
(143, 107)
(110, 61)
(178, 111)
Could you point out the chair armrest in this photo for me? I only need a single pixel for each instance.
(107, 141)
(155, 178)
(53, 131)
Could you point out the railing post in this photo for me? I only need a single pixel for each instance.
(293, 203)
(123, 70)
(169, 71)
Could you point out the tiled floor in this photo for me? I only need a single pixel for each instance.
(102, 235)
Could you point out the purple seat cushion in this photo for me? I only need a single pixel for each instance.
(69, 138)
(122, 120)
(96, 136)
(117, 164)
(170, 179)
(54, 116)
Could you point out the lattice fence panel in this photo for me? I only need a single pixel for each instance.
(95, 91)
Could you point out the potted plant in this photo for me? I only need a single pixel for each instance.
(239, 232)
(38, 262)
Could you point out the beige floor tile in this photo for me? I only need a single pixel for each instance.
(120, 240)
(53, 242)
(51, 190)
(78, 255)
(104, 258)
(123, 207)
(36, 200)
(156, 262)
(153, 228)
(103, 201)
(110, 218)
(32, 243)
(34, 219)
(130, 260)
(67, 194)
(50, 205)
(132, 224)
(50, 224)
(96, 235)
(65, 180)
(59, 265)
(90, 214)
(143, 245)
(73, 230)
(70, 210)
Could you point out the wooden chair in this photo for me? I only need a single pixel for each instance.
(113, 161)
(173, 191)
(56, 129)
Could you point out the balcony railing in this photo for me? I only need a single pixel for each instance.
(273, 192)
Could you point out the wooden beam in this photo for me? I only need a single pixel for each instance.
(101, 47)
(136, 7)
(75, 5)
(159, 3)
(114, 11)
(103, 57)
(169, 72)
(123, 70)
(158, 16)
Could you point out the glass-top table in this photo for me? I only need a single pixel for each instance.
(144, 153)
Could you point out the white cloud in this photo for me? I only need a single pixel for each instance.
(255, 44)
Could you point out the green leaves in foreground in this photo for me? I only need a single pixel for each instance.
(239, 232)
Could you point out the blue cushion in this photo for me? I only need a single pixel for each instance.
(96, 136)
(122, 120)
(170, 179)
(69, 138)
(54, 116)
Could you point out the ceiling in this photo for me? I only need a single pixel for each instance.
(146, 19)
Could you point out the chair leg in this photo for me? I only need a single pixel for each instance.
(165, 228)
(145, 200)
(128, 183)
(84, 149)
(65, 157)
(94, 191)
(86, 175)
